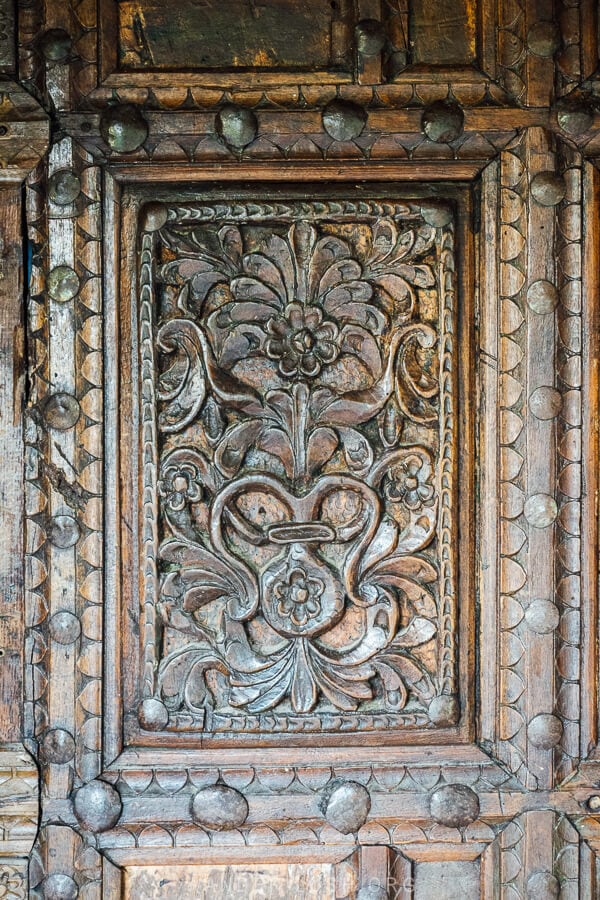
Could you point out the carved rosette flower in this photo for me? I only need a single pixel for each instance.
(301, 596)
(301, 341)
(410, 483)
(298, 596)
(179, 486)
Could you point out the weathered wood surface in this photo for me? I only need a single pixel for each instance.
(300, 520)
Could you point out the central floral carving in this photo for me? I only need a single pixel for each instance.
(299, 596)
(301, 341)
(295, 520)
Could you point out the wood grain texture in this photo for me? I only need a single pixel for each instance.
(348, 249)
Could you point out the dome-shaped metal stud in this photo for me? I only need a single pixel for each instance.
(59, 887)
(236, 125)
(344, 120)
(57, 746)
(548, 188)
(154, 216)
(63, 532)
(346, 805)
(574, 118)
(62, 283)
(542, 297)
(61, 411)
(65, 627)
(443, 121)
(55, 44)
(219, 808)
(540, 510)
(123, 127)
(64, 187)
(97, 806)
(545, 731)
(454, 805)
(370, 37)
(542, 616)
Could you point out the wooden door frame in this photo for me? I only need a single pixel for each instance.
(528, 786)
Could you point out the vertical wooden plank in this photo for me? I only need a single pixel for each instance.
(369, 67)
(375, 869)
(19, 799)
(540, 404)
(542, 38)
(488, 465)
(111, 724)
(11, 468)
(590, 364)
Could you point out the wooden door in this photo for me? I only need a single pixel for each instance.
(299, 449)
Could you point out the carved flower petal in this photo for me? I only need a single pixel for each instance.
(312, 318)
(257, 265)
(300, 614)
(310, 365)
(327, 351)
(278, 327)
(295, 314)
(315, 587)
(288, 364)
(327, 331)
(251, 289)
(275, 348)
(412, 499)
(313, 607)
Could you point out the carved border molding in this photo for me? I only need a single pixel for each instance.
(282, 212)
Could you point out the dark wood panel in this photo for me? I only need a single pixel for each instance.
(236, 34)
(444, 32)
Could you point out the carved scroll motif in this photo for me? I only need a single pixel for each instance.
(298, 432)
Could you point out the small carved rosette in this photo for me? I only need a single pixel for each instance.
(297, 394)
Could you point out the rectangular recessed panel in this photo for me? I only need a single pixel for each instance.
(298, 422)
(239, 882)
(444, 32)
(450, 879)
(238, 33)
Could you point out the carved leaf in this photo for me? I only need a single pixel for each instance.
(304, 689)
(358, 452)
(322, 444)
(277, 442)
(419, 631)
(183, 387)
(203, 577)
(235, 443)
(181, 674)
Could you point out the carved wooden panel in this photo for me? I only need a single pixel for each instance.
(297, 406)
(299, 436)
